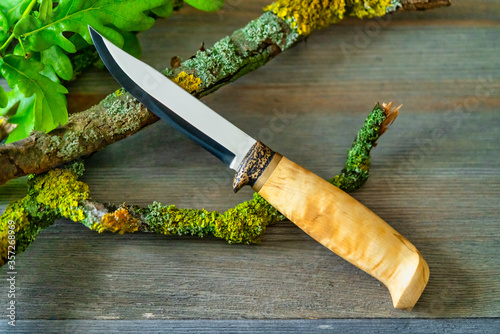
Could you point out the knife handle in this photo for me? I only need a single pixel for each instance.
(337, 221)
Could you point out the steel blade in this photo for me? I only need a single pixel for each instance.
(174, 105)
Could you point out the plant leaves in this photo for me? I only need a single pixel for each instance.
(4, 28)
(131, 44)
(75, 16)
(24, 117)
(45, 10)
(164, 11)
(58, 61)
(42, 104)
(206, 5)
(13, 9)
(4, 99)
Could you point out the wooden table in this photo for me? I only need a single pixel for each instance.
(434, 178)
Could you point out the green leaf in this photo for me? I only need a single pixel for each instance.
(42, 104)
(24, 117)
(3, 98)
(45, 10)
(75, 16)
(4, 28)
(131, 44)
(14, 97)
(164, 11)
(58, 61)
(13, 9)
(207, 5)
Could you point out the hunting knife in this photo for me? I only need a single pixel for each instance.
(326, 213)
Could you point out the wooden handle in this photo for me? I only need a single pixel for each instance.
(346, 227)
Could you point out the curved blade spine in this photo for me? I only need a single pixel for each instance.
(174, 105)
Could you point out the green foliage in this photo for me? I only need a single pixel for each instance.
(47, 105)
(4, 99)
(51, 195)
(207, 5)
(75, 16)
(57, 61)
(36, 37)
(245, 223)
(164, 11)
(13, 9)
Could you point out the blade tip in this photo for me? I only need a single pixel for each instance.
(93, 32)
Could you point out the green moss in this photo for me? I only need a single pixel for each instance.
(170, 220)
(264, 29)
(250, 64)
(84, 59)
(168, 72)
(109, 100)
(77, 167)
(215, 63)
(30, 218)
(231, 55)
(356, 168)
(246, 223)
(124, 110)
(118, 105)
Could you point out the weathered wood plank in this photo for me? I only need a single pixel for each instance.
(78, 274)
(345, 326)
(441, 192)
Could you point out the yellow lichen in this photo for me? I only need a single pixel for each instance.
(305, 16)
(14, 213)
(187, 81)
(60, 190)
(120, 221)
(367, 8)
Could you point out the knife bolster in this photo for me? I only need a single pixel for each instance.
(256, 167)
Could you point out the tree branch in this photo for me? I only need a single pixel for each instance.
(59, 194)
(120, 116)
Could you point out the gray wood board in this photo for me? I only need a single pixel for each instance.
(434, 177)
(344, 326)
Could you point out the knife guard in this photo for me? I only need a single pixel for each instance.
(337, 221)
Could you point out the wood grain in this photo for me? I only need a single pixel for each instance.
(349, 229)
(434, 178)
(345, 326)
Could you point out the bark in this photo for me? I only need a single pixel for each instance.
(423, 4)
(58, 193)
(120, 116)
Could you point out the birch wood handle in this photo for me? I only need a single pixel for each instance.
(346, 227)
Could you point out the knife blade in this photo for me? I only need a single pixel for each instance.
(326, 213)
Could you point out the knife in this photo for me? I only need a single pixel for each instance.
(326, 213)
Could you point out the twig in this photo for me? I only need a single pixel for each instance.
(58, 193)
(120, 116)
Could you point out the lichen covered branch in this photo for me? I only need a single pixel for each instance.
(283, 24)
(58, 193)
(356, 168)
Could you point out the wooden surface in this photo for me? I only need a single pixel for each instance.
(434, 178)
(346, 227)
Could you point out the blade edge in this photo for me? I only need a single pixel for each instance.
(230, 156)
